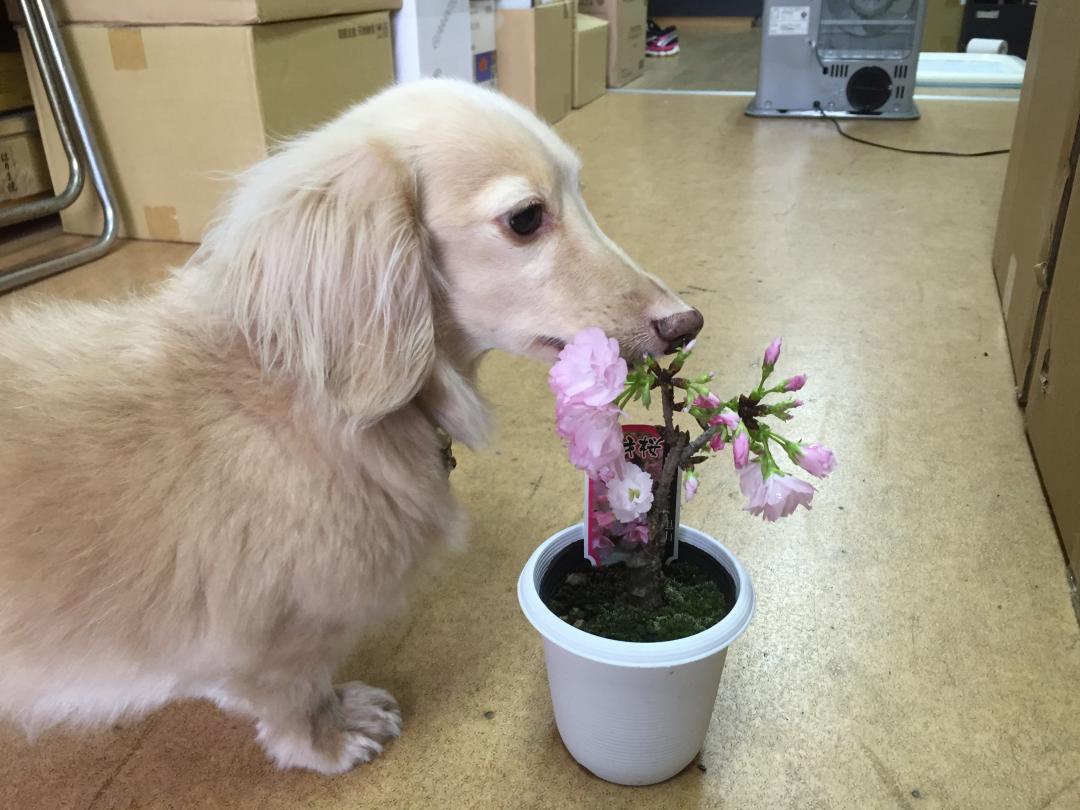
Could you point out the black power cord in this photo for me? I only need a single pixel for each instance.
(938, 152)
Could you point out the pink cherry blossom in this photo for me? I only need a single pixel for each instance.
(816, 460)
(638, 534)
(775, 497)
(690, 487)
(795, 383)
(740, 450)
(603, 519)
(730, 420)
(707, 403)
(592, 435)
(630, 493)
(726, 417)
(772, 353)
(589, 370)
(602, 544)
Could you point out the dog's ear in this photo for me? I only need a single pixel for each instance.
(325, 266)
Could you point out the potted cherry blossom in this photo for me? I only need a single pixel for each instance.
(637, 611)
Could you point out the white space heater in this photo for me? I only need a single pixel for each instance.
(847, 58)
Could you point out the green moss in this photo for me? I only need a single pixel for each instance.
(597, 602)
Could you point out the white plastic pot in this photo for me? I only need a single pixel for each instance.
(632, 713)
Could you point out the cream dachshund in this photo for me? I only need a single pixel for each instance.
(211, 491)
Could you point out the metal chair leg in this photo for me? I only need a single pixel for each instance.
(42, 208)
(69, 113)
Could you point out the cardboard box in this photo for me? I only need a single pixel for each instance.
(1040, 165)
(23, 171)
(176, 109)
(14, 84)
(1053, 409)
(535, 47)
(941, 26)
(201, 12)
(432, 38)
(626, 36)
(590, 58)
(482, 19)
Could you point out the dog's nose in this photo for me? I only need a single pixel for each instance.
(679, 329)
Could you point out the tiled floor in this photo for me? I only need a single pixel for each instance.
(914, 646)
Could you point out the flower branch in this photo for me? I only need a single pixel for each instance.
(593, 385)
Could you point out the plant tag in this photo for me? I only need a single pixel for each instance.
(607, 540)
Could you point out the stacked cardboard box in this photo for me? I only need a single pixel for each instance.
(1041, 165)
(182, 95)
(23, 172)
(14, 86)
(590, 58)
(626, 36)
(1037, 260)
(535, 47)
(1053, 408)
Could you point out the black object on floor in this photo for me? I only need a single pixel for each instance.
(904, 149)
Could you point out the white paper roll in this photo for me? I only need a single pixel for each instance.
(980, 45)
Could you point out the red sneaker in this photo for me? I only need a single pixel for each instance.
(664, 44)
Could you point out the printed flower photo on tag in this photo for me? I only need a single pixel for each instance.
(615, 525)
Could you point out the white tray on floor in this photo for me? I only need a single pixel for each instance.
(970, 70)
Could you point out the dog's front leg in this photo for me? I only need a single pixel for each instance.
(312, 724)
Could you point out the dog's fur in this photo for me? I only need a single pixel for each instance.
(210, 491)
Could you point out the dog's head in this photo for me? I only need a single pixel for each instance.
(526, 266)
(415, 232)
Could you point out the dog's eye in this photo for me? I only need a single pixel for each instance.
(526, 221)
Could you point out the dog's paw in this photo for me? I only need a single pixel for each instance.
(369, 711)
(347, 731)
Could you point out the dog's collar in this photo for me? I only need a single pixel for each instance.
(446, 446)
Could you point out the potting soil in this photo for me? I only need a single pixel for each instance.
(598, 602)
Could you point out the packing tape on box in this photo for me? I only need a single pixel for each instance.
(980, 45)
(162, 222)
(127, 50)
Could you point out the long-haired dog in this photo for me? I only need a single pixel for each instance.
(210, 491)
